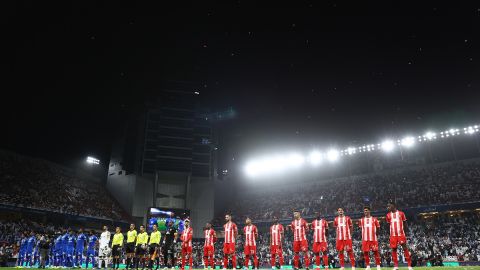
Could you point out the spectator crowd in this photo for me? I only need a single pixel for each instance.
(425, 186)
(39, 184)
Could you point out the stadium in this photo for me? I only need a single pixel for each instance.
(236, 136)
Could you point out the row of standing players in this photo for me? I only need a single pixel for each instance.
(143, 249)
(343, 226)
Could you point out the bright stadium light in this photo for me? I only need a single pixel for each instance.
(92, 160)
(332, 155)
(351, 150)
(430, 135)
(469, 130)
(407, 141)
(295, 160)
(251, 169)
(315, 158)
(387, 145)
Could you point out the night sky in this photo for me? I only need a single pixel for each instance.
(300, 73)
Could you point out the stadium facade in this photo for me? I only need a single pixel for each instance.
(165, 157)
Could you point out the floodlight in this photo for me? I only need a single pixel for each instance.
(315, 158)
(92, 160)
(388, 145)
(408, 141)
(251, 169)
(469, 130)
(295, 160)
(351, 150)
(332, 155)
(430, 135)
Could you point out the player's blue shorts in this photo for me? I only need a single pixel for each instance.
(91, 252)
(70, 251)
(79, 251)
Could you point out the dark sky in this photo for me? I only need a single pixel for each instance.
(301, 72)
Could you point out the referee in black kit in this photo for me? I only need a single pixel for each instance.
(169, 245)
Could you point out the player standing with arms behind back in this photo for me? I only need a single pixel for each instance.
(104, 249)
(250, 247)
(300, 244)
(186, 239)
(154, 246)
(91, 249)
(231, 232)
(117, 244)
(141, 247)
(169, 242)
(276, 238)
(209, 246)
(130, 246)
(320, 230)
(80, 247)
(397, 222)
(344, 227)
(369, 227)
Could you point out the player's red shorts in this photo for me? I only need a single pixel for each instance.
(397, 240)
(276, 249)
(229, 248)
(186, 250)
(250, 250)
(345, 245)
(300, 246)
(319, 247)
(208, 251)
(369, 245)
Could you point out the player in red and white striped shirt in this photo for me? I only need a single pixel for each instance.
(231, 233)
(186, 239)
(369, 227)
(299, 227)
(209, 246)
(397, 222)
(276, 239)
(344, 227)
(250, 247)
(320, 231)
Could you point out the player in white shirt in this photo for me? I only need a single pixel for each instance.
(104, 247)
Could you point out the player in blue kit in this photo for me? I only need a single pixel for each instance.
(31, 243)
(21, 252)
(91, 249)
(36, 253)
(80, 248)
(70, 248)
(64, 248)
(58, 251)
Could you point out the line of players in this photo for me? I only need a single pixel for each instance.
(143, 249)
(343, 225)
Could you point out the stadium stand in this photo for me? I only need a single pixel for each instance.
(410, 187)
(42, 185)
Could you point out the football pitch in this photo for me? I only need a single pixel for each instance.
(347, 268)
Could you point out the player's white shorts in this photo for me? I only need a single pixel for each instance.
(104, 251)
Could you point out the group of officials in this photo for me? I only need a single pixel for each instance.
(144, 249)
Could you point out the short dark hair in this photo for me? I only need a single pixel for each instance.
(391, 202)
(340, 208)
(366, 207)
